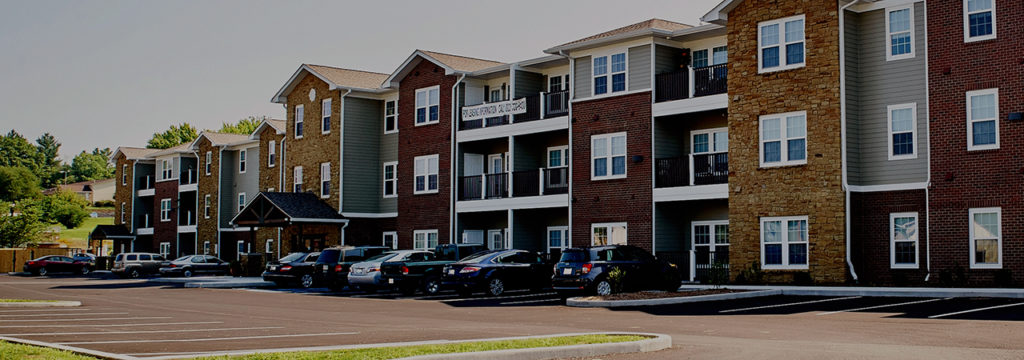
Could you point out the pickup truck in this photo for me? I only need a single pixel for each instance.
(408, 277)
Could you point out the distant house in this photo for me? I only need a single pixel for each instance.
(92, 190)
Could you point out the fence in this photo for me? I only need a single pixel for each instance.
(12, 260)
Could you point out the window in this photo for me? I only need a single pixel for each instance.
(784, 139)
(325, 116)
(710, 242)
(719, 55)
(269, 247)
(241, 201)
(617, 73)
(206, 247)
(784, 243)
(979, 20)
(558, 156)
(424, 239)
(427, 101)
(983, 119)
(390, 179)
(426, 174)
(165, 248)
(325, 180)
(899, 29)
(124, 174)
(903, 240)
(608, 234)
(558, 238)
(166, 169)
(241, 160)
(241, 249)
(709, 141)
(390, 116)
(122, 212)
(272, 153)
(608, 154)
(986, 238)
(165, 209)
(390, 239)
(781, 44)
(903, 131)
(299, 119)
(206, 206)
(297, 179)
(209, 162)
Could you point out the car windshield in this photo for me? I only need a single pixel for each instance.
(292, 257)
(329, 256)
(573, 256)
(476, 257)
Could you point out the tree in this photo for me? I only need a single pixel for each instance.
(23, 228)
(16, 183)
(174, 136)
(92, 166)
(48, 159)
(64, 207)
(15, 150)
(244, 126)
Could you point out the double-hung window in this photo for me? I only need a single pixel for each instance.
(242, 154)
(165, 249)
(269, 246)
(608, 234)
(710, 141)
(122, 212)
(903, 240)
(390, 179)
(780, 44)
(784, 139)
(784, 243)
(297, 179)
(986, 238)
(983, 119)
(899, 29)
(124, 174)
(300, 115)
(209, 162)
(241, 201)
(608, 155)
(427, 101)
(609, 69)
(425, 175)
(390, 239)
(325, 180)
(979, 20)
(903, 131)
(710, 242)
(206, 206)
(424, 239)
(325, 116)
(719, 55)
(166, 169)
(165, 209)
(271, 153)
(390, 116)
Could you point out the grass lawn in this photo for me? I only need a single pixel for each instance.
(23, 300)
(79, 236)
(18, 351)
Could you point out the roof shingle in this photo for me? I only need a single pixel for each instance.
(350, 78)
(653, 24)
(462, 63)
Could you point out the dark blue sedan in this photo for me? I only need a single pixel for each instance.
(497, 271)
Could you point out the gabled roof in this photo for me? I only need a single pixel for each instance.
(452, 64)
(644, 28)
(279, 127)
(720, 13)
(133, 153)
(282, 208)
(80, 186)
(336, 78)
(185, 148)
(220, 139)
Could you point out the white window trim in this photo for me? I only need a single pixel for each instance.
(124, 174)
(297, 177)
(913, 130)
(167, 246)
(608, 138)
(123, 204)
(243, 161)
(206, 206)
(268, 246)
(564, 158)
(395, 115)
(165, 215)
(208, 169)
(426, 238)
(241, 201)
(970, 129)
(300, 118)
(564, 231)
(206, 247)
(785, 243)
(272, 153)
(608, 74)
(238, 247)
(393, 180)
(712, 224)
(426, 175)
(782, 45)
(967, 25)
(609, 227)
(394, 239)
(999, 239)
(326, 104)
(888, 35)
(428, 105)
(711, 140)
(784, 139)
(892, 240)
(325, 171)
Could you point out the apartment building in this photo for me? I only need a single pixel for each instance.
(228, 177)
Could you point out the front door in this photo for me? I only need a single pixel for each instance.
(495, 239)
(558, 240)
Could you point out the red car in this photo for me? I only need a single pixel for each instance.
(54, 264)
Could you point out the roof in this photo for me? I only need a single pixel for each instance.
(453, 64)
(336, 78)
(279, 127)
(133, 153)
(185, 148)
(110, 232)
(719, 14)
(220, 139)
(79, 186)
(287, 207)
(647, 27)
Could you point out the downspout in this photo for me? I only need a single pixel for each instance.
(341, 153)
(195, 235)
(927, 127)
(281, 184)
(451, 161)
(134, 194)
(220, 171)
(572, 92)
(842, 120)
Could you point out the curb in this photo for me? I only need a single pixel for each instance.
(76, 350)
(576, 302)
(881, 291)
(41, 304)
(655, 343)
(228, 285)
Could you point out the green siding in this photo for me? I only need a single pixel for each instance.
(362, 170)
(582, 78)
(639, 59)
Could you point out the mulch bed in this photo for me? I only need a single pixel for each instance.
(644, 295)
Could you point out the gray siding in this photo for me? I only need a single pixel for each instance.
(363, 165)
(228, 171)
(530, 227)
(673, 221)
(639, 68)
(877, 84)
(249, 182)
(852, 96)
(388, 152)
(528, 83)
(582, 78)
(666, 59)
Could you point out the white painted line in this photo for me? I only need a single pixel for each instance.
(205, 339)
(47, 309)
(435, 297)
(96, 319)
(142, 331)
(532, 301)
(789, 304)
(36, 315)
(884, 306)
(975, 310)
(113, 325)
(496, 297)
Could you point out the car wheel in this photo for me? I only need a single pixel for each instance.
(42, 271)
(603, 288)
(134, 273)
(306, 281)
(84, 270)
(432, 286)
(186, 273)
(495, 287)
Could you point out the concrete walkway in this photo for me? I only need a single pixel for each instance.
(1013, 293)
(214, 282)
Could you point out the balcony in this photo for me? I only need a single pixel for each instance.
(696, 169)
(143, 225)
(188, 181)
(145, 186)
(484, 186)
(537, 107)
(528, 182)
(691, 83)
(187, 222)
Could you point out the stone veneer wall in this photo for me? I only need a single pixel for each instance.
(207, 228)
(123, 193)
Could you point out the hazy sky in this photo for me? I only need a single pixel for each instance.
(108, 73)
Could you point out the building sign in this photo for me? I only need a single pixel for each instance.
(489, 110)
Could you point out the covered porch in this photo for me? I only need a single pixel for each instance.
(307, 222)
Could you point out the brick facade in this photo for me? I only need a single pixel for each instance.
(165, 231)
(870, 236)
(123, 192)
(209, 184)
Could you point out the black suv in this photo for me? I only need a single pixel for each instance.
(408, 276)
(294, 268)
(587, 270)
(332, 266)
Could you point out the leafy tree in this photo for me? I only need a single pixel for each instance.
(16, 183)
(92, 166)
(174, 136)
(48, 159)
(15, 150)
(64, 207)
(244, 126)
(21, 229)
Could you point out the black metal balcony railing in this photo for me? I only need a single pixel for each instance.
(556, 103)
(528, 182)
(556, 181)
(486, 186)
(672, 86)
(145, 183)
(144, 221)
(187, 219)
(532, 109)
(691, 82)
(710, 80)
(539, 106)
(497, 185)
(671, 172)
(710, 169)
(471, 187)
(188, 177)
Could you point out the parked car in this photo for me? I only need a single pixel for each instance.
(497, 271)
(332, 266)
(295, 268)
(135, 265)
(587, 270)
(55, 263)
(86, 258)
(408, 276)
(366, 275)
(190, 265)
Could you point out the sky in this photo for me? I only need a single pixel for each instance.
(111, 73)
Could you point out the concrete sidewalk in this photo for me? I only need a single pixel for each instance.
(1012, 293)
(223, 282)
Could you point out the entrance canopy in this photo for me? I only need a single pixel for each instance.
(279, 209)
(113, 232)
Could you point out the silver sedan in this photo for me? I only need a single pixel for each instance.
(366, 275)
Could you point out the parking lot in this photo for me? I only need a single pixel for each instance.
(136, 318)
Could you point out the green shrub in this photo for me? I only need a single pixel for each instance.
(719, 275)
(617, 278)
(672, 278)
(752, 275)
(104, 204)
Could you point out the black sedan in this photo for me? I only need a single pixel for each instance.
(190, 265)
(296, 268)
(496, 271)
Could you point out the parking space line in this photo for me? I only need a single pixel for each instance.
(883, 306)
(789, 304)
(531, 301)
(96, 319)
(38, 310)
(205, 339)
(113, 325)
(975, 310)
(36, 315)
(142, 331)
(435, 297)
(495, 297)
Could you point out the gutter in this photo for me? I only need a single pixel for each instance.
(451, 167)
(928, 130)
(842, 120)
(341, 149)
(220, 171)
(572, 94)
